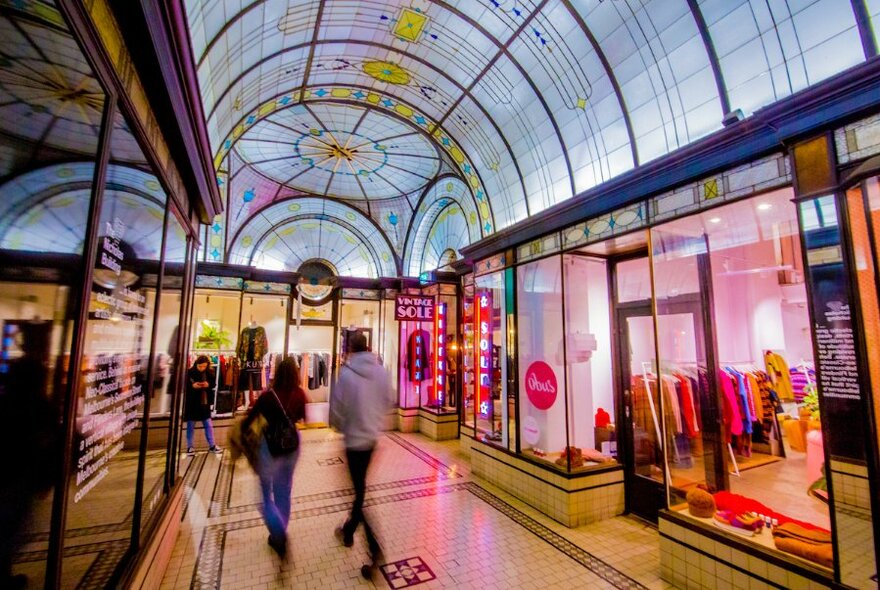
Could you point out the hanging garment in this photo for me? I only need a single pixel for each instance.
(253, 345)
(780, 375)
(418, 356)
(689, 414)
(730, 414)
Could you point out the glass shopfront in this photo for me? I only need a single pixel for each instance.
(91, 293)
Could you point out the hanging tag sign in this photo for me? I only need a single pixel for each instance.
(414, 308)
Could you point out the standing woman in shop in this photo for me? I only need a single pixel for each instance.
(200, 381)
(281, 406)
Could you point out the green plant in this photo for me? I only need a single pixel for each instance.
(211, 336)
(811, 401)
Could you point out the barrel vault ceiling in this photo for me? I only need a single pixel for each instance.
(383, 136)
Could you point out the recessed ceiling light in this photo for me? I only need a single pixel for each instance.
(764, 206)
(715, 220)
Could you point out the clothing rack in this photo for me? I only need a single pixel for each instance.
(646, 368)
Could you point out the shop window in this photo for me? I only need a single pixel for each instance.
(736, 371)
(118, 337)
(166, 361)
(587, 351)
(541, 348)
(468, 358)
(215, 326)
(51, 124)
(492, 407)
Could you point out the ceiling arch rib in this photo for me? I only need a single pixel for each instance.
(257, 232)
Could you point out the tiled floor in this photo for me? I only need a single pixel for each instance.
(439, 527)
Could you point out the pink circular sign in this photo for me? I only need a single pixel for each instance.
(541, 385)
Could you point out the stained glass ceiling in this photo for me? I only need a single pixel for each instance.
(526, 102)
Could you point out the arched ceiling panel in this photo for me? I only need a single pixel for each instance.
(449, 231)
(46, 210)
(445, 193)
(439, 37)
(257, 232)
(499, 171)
(768, 51)
(533, 101)
(658, 57)
(287, 246)
(340, 151)
(512, 102)
(581, 94)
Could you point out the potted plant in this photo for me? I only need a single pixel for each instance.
(212, 337)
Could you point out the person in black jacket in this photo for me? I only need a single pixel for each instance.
(200, 381)
(282, 406)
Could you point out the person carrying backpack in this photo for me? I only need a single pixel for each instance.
(282, 406)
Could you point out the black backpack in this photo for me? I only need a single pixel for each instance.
(282, 437)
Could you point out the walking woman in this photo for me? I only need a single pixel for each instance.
(282, 406)
(200, 381)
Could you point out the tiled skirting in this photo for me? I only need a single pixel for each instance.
(438, 426)
(696, 557)
(571, 500)
(408, 419)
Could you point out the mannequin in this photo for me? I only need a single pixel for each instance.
(252, 347)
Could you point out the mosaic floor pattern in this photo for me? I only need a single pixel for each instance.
(439, 528)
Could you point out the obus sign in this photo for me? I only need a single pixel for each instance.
(414, 308)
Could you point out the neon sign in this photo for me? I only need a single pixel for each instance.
(483, 352)
(440, 356)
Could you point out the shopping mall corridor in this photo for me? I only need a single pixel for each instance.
(439, 526)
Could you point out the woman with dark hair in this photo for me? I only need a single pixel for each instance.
(200, 382)
(282, 406)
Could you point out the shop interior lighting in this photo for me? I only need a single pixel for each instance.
(764, 207)
(715, 220)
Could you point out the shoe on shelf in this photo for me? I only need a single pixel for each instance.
(216, 450)
(346, 540)
(191, 451)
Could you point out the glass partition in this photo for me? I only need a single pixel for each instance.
(117, 348)
(52, 110)
(492, 403)
(541, 346)
(739, 391)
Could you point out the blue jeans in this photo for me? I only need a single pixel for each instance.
(276, 481)
(191, 429)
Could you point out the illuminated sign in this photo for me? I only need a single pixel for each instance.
(440, 355)
(414, 308)
(483, 352)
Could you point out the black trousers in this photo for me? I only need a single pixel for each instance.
(358, 463)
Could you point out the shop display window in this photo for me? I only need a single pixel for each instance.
(215, 328)
(312, 347)
(738, 391)
(853, 509)
(50, 146)
(493, 408)
(389, 343)
(113, 375)
(588, 367)
(468, 356)
(416, 367)
(565, 375)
